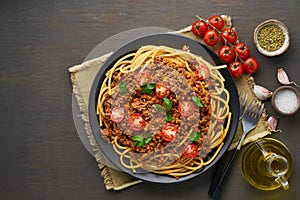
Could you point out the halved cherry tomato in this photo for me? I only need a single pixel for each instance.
(186, 109)
(211, 37)
(117, 114)
(143, 78)
(199, 28)
(226, 53)
(217, 21)
(136, 122)
(236, 69)
(190, 151)
(229, 35)
(202, 72)
(242, 50)
(162, 89)
(168, 132)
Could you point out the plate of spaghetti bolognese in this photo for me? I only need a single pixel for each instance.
(163, 108)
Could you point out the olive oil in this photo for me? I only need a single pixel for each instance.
(267, 164)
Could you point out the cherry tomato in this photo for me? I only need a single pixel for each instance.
(136, 122)
(250, 65)
(168, 132)
(242, 50)
(211, 37)
(117, 114)
(236, 69)
(143, 78)
(199, 28)
(229, 35)
(217, 21)
(202, 72)
(186, 109)
(226, 53)
(190, 151)
(162, 89)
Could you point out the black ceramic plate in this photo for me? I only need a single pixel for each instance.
(174, 41)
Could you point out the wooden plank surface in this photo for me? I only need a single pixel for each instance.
(41, 154)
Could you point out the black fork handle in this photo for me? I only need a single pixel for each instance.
(216, 192)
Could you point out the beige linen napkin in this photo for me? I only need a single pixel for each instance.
(82, 76)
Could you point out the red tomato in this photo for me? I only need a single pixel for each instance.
(136, 122)
(169, 131)
(143, 78)
(190, 151)
(202, 72)
(199, 28)
(242, 50)
(229, 35)
(117, 114)
(217, 21)
(186, 109)
(211, 37)
(162, 89)
(236, 69)
(226, 53)
(250, 65)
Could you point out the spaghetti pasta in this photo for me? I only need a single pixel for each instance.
(164, 110)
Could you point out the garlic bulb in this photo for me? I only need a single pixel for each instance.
(283, 77)
(261, 93)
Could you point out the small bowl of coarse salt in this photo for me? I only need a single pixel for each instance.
(286, 100)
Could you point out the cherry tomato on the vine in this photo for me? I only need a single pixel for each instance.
(236, 69)
(242, 50)
(211, 37)
(250, 65)
(226, 53)
(199, 28)
(229, 35)
(217, 21)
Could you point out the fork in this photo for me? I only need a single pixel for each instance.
(249, 122)
(219, 168)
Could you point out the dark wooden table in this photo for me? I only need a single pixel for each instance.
(41, 154)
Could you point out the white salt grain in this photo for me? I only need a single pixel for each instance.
(286, 101)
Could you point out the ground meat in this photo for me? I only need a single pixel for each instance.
(183, 86)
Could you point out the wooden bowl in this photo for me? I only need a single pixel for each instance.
(286, 42)
(286, 100)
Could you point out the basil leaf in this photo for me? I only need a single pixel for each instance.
(151, 86)
(168, 104)
(197, 101)
(147, 140)
(123, 88)
(139, 143)
(159, 108)
(148, 88)
(137, 138)
(195, 136)
(168, 117)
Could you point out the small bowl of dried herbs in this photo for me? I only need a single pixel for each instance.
(271, 38)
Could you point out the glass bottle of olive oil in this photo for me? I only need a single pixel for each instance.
(267, 164)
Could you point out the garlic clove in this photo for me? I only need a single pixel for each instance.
(261, 92)
(283, 77)
(272, 123)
